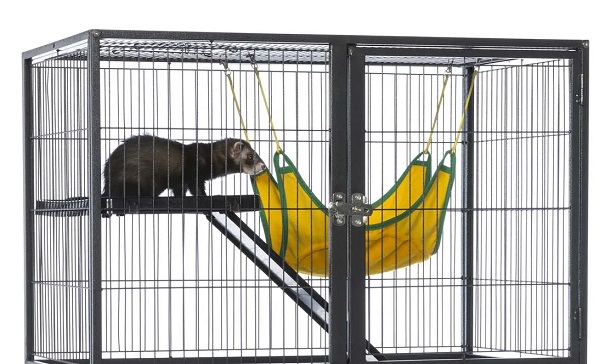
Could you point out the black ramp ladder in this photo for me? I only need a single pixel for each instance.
(270, 263)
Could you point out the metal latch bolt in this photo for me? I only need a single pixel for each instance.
(358, 209)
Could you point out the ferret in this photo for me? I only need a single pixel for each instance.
(146, 165)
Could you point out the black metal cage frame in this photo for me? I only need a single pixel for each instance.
(348, 57)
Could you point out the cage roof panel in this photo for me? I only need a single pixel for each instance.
(210, 51)
(207, 51)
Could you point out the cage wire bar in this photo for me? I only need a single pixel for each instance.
(161, 284)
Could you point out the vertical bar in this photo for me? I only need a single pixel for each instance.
(95, 244)
(584, 201)
(579, 202)
(338, 183)
(467, 217)
(356, 177)
(28, 173)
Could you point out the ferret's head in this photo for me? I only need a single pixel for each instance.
(243, 155)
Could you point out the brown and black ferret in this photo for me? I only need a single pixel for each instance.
(147, 165)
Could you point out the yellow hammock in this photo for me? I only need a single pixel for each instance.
(405, 227)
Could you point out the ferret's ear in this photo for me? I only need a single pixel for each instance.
(236, 149)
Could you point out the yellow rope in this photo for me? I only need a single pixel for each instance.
(260, 86)
(277, 142)
(241, 119)
(438, 107)
(457, 138)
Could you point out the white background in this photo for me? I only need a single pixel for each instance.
(29, 24)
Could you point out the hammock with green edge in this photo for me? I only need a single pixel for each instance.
(404, 228)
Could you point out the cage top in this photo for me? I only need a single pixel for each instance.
(150, 46)
(124, 50)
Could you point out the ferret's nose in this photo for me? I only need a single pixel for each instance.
(260, 167)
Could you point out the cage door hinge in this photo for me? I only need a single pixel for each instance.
(358, 209)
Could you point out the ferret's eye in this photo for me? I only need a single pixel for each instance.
(250, 157)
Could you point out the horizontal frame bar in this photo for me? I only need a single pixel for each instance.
(488, 360)
(206, 360)
(471, 52)
(80, 37)
(430, 358)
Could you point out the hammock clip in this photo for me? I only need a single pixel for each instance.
(358, 209)
(225, 64)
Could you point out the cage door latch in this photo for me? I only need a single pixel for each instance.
(358, 209)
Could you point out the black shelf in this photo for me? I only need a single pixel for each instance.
(79, 206)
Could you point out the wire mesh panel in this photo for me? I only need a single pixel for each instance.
(175, 286)
(60, 234)
(518, 146)
(522, 208)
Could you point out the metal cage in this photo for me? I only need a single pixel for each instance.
(194, 279)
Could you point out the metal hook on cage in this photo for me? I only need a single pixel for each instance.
(253, 63)
(225, 64)
(449, 68)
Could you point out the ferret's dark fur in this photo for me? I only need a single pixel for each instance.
(147, 165)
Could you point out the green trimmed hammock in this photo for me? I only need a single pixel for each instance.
(405, 227)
